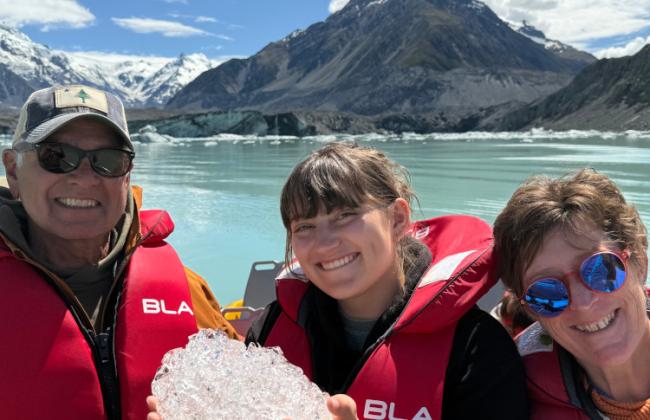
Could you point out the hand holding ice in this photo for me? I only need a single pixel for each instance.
(217, 378)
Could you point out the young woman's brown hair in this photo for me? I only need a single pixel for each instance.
(343, 175)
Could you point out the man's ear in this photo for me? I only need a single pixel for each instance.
(10, 162)
(401, 220)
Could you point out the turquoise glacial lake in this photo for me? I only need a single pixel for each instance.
(223, 191)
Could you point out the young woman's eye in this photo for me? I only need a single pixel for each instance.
(344, 215)
(302, 228)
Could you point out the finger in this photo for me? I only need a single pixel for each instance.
(152, 404)
(342, 407)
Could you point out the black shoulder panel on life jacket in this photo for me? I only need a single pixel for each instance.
(262, 326)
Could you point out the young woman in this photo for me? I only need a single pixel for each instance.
(574, 251)
(383, 309)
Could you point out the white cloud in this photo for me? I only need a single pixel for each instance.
(205, 19)
(167, 28)
(176, 1)
(577, 22)
(336, 5)
(197, 19)
(631, 48)
(49, 13)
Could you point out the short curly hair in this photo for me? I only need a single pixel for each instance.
(541, 204)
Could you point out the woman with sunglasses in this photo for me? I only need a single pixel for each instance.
(574, 251)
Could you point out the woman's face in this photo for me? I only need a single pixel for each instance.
(350, 254)
(599, 329)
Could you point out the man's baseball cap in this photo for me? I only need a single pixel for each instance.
(49, 109)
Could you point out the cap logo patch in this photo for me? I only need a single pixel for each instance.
(73, 96)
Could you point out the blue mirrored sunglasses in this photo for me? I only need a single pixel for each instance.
(603, 272)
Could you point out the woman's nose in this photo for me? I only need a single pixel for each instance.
(582, 297)
(327, 237)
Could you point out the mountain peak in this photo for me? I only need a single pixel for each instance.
(130, 77)
(376, 57)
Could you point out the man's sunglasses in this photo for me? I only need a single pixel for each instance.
(62, 158)
(603, 272)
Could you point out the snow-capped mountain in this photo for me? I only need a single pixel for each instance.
(141, 81)
(556, 47)
(538, 36)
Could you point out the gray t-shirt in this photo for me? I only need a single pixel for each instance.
(356, 331)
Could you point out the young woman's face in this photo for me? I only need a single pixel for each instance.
(350, 254)
(598, 328)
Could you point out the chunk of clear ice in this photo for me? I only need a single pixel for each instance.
(214, 377)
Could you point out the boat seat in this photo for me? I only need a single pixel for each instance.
(260, 291)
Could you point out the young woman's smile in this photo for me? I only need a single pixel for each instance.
(350, 254)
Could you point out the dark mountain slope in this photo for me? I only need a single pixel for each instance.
(611, 94)
(449, 58)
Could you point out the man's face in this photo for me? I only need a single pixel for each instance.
(79, 205)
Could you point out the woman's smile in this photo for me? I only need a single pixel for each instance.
(599, 325)
(338, 262)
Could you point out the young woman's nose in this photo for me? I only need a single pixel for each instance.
(327, 237)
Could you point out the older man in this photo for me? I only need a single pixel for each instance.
(91, 296)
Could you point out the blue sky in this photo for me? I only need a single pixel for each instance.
(226, 28)
(213, 27)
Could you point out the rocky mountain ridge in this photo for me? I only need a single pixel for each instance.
(611, 94)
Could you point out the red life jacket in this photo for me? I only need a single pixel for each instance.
(48, 367)
(404, 375)
(547, 390)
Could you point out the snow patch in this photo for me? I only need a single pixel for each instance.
(293, 35)
(376, 3)
(475, 4)
(537, 36)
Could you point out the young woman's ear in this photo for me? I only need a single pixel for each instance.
(401, 217)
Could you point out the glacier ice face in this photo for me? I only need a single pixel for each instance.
(214, 377)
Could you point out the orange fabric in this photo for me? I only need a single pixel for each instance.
(136, 190)
(206, 308)
(616, 410)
